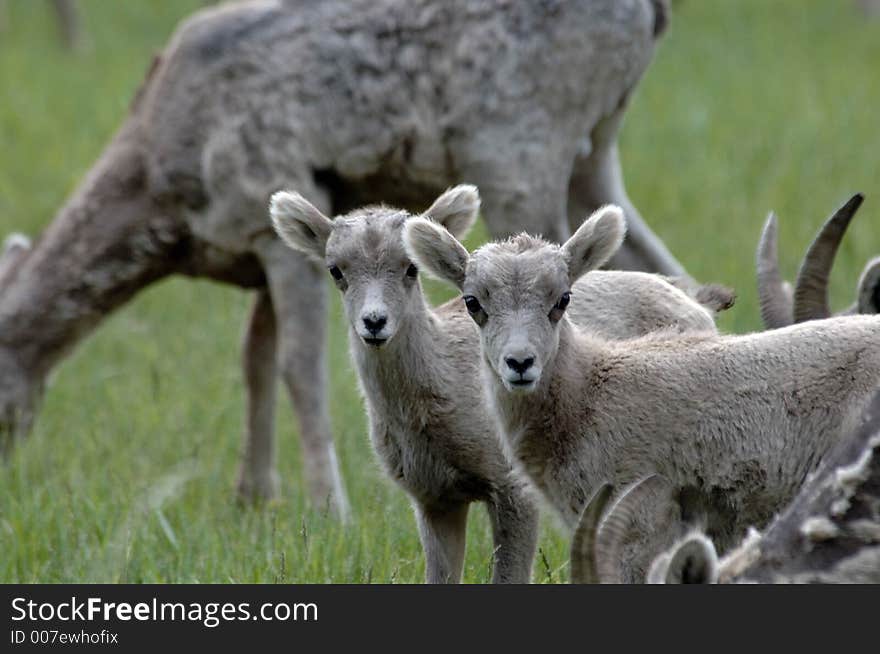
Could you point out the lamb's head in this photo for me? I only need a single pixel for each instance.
(781, 305)
(517, 290)
(364, 253)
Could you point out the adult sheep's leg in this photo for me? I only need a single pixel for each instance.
(597, 179)
(257, 478)
(68, 22)
(443, 532)
(298, 294)
(515, 534)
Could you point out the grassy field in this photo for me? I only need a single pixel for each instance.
(128, 476)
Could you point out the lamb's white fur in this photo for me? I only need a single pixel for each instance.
(734, 422)
(419, 370)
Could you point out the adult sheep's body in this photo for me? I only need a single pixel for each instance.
(352, 103)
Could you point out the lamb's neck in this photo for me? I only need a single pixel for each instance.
(108, 241)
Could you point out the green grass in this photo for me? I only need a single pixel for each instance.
(128, 476)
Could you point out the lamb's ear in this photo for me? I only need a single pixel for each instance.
(299, 223)
(869, 288)
(435, 250)
(693, 562)
(456, 209)
(595, 242)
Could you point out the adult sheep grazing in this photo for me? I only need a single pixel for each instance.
(350, 102)
(781, 305)
(734, 422)
(418, 368)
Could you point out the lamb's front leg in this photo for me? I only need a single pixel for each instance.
(298, 294)
(443, 533)
(257, 478)
(514, 519)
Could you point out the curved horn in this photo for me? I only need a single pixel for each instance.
(618, 523)
(773, 293)
(693, 562)
(811, 288)
(868, 298)
(583, 544)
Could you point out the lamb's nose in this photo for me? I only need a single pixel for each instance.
(375, 325)
(519, 365)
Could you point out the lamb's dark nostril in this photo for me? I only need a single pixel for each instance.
(519, 366)
(374, 326)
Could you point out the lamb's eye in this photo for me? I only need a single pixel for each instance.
(412, 271)
(559, 308)
(473, 304)
(336, 273)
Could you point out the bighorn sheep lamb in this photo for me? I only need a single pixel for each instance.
(780, 306)
(830, 533)
(350, 102)
(419, 371)
(734, 422)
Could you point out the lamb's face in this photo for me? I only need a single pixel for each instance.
(378, 281)
(364, 252)
(517, 292)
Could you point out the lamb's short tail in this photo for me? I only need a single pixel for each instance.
(662, 14)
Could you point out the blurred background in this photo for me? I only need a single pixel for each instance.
(749, 106)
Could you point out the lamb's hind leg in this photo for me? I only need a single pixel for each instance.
(257, 478)
(443, 532)
(298, 294)
(596, 180)
(514, 519)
